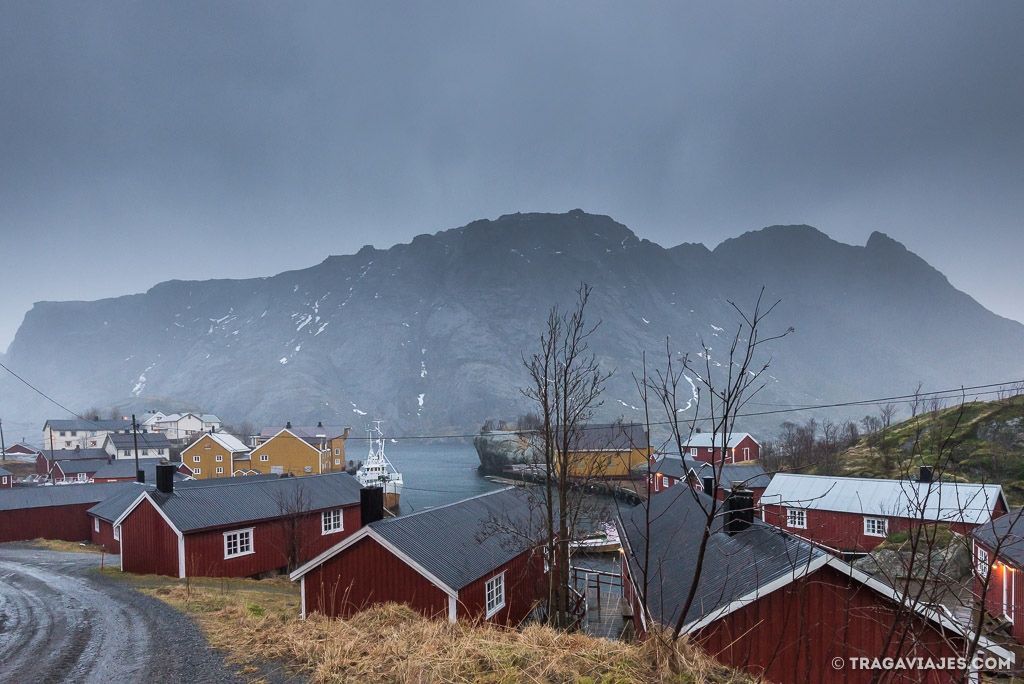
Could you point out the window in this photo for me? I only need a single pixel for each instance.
(63, 433)
(220, 470)
(796, 517)
(331, 521)
(117, 533)
(195, 459)
(4, 480)
(92, 443)
(664, 482)
(982, 563)
(693, 452)
(159, 452)
(746, 457)
(308, 469)
(876, 527)
(220, 458)
(495, 591)
(208, 446)
(264, 457)
(238, 543)
(197, 471)
(337, 461)
(337, 452)
(95, 524)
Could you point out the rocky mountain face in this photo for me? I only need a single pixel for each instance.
(428, 336)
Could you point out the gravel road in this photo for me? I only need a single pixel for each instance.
(59, 622)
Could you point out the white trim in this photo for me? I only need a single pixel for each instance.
(252, 542)
(793, 525)
(323, 521)
(641, 600)
(491, 612)
(302, 592)
(452, 608)
(885, 526)
(370, 532)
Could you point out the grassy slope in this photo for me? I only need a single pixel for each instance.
(252, 620)
(976, 442)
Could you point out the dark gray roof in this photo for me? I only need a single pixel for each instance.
(1007, 529)
(463, 541)
(750, 475)
(313, 434)
(80, 465)
(5, 472)
(614, 436)
(110, 509)
(147, 440)
(89, 425)
(57, 495)
(76, 454)
(734, 566)
(230, 501)
(125, 467)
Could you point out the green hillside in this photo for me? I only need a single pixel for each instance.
(980, 441)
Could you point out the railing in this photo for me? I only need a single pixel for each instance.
(584, 579)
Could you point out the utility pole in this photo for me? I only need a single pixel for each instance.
(135, 437)
(3, 446)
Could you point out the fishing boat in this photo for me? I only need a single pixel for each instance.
(377, 470)
(601, 542)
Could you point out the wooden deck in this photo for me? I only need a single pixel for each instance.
(604, 604)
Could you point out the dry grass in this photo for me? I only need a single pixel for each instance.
(58, 545)
(391, 643)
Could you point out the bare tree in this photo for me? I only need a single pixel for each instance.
(293, 504)
(566, 385)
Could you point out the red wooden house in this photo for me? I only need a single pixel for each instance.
(854, 515)
(21, 452)
(998, 549)
(670, 470)
(773, 604)
(454, 561)
(236, 529)
(707, 447)
(123, 470)
(51, 512)
(6, 479)
(45, 464)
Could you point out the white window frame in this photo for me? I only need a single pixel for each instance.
(197, 471)
(492, 600)
(332, 521)
(664, 481)
(82, 477)
(197, 459)
(117, 533)
(796, 518)
(981, 563)
(337, 451)
(4, 481)
(239, 533)
(871, 526)
(95, 524)
(693, 451)
(746, 453)
(337, 461)
(220, 469)
(264, 458)
(220, 458)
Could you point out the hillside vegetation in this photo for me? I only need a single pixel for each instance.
(979, 441)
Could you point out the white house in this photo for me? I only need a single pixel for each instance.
(151, 445)
(182, 427)
(81, 434)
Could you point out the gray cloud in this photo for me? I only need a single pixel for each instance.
(199, 140)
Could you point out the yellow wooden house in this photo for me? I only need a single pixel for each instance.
(608, 451)
(299, 451)
(215, 454)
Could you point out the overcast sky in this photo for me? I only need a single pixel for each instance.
(141, 142)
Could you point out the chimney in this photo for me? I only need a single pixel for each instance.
(140, 476)
(345, 436)
(165, 478)
(371, 505)
(698, 431)
(739, 510)
(709, 484)
(926, 474)
(320, 424)
(288, 425)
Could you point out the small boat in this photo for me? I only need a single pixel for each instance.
(377, 470)
(606, 542)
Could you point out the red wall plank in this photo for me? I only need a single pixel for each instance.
(149, 545)
(68, 523)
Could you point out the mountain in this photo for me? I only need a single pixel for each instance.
(429, 335)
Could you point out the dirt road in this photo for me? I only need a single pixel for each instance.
(60, 622)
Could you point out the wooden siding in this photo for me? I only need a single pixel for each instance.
(844, 531)
(1005, 594)
(206, 450)
(149, 545)
(733, 455)
(792, 634)
(365, 574)
(105, 536)
(615, 464)
(204, 551)
(525, 584)
(289, 453)
(67, 523)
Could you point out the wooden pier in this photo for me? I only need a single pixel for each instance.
(604, 604)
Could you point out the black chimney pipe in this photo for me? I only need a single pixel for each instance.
(739, 510)
(140, 476)
(165, 478)
(709, 485)
(926, 474)
(371, 504)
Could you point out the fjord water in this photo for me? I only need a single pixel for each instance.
(435, 473)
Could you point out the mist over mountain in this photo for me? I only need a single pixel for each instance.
(428, 336)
